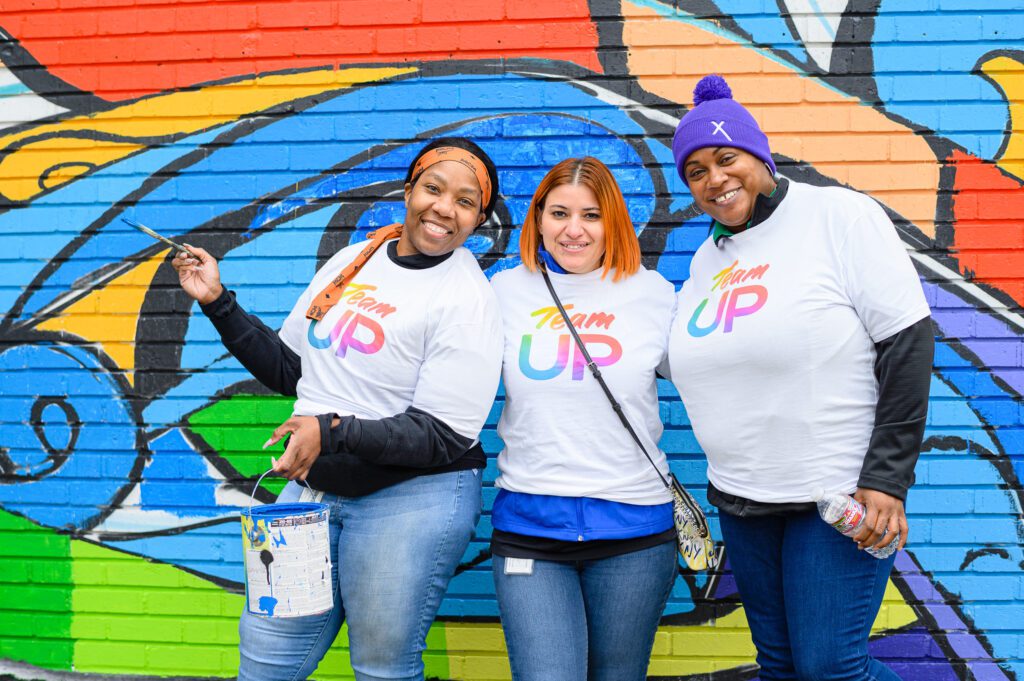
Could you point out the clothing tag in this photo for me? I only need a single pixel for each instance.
(309, 495)
(519, 566)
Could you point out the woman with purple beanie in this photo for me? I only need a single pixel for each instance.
(802, 349)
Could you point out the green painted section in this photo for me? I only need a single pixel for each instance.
(336, 665)
(435, 659)
(35, 594)
(132, 616)
(238, 426)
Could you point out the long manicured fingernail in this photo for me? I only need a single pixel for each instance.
(268, 443)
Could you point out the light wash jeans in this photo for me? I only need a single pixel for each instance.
(591, 620)
(810, 597)
(393, 554)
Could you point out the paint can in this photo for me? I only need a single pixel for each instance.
(287, 559)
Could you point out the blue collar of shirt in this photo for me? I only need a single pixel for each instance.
(549, 260)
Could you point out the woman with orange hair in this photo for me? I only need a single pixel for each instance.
(584, 542)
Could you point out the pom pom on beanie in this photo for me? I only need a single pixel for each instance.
(717, 120)
(710, 88)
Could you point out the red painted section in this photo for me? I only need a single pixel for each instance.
(122, 49)
(989, 210)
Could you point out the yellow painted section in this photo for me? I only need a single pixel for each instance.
(109, 316)
(477, 651)
(1008, 74)
(894, 613)
(49, 155)
(804, 119)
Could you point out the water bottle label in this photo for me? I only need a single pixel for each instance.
(850, 520)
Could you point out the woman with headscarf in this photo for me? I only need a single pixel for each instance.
(802, 349)
(394, 358)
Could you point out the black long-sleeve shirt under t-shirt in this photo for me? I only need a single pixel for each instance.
(358, 456)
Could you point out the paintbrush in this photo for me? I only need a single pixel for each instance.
(146, 230)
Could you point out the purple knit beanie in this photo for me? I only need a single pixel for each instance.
(718, 120)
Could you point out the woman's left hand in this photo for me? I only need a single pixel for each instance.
(303, 446)
(885, 517)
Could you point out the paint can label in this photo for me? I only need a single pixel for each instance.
(287, 562)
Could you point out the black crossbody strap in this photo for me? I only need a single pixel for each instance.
(600, 380)
(680, 495)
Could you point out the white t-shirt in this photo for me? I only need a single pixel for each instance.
(427, 338)
(772, 347)
(561, 435)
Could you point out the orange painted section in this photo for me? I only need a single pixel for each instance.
(853, 143)
(988, 205)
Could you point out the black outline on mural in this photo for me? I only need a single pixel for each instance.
(1016, 55)
(43, 83)
(853, 50)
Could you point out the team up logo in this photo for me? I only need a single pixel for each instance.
(737, 298)
(605, 350)
(356, 330)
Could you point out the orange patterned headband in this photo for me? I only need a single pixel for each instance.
(459, 155)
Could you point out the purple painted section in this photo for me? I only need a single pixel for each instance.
(987, 671)
(726, 586)
(914, 644)
(960, 319)
(913, 655)
(965, 645)
(923, 671)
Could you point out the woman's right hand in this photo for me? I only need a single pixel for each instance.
(200, 278)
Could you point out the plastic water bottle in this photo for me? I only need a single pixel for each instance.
(847, 515)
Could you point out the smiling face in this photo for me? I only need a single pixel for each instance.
(725, 182)
(442, 209)
(572, 228)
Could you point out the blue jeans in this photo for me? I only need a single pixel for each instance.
(587, 620)
(810, 597)
(394, 552)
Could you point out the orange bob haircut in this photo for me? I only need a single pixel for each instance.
(621, 247)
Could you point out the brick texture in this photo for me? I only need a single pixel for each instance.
(273, 132)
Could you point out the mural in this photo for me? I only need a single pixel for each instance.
(273, 134)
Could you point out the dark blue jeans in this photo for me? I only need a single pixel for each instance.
(810, 597)
(591, 620)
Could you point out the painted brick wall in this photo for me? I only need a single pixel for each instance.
(272, 133)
